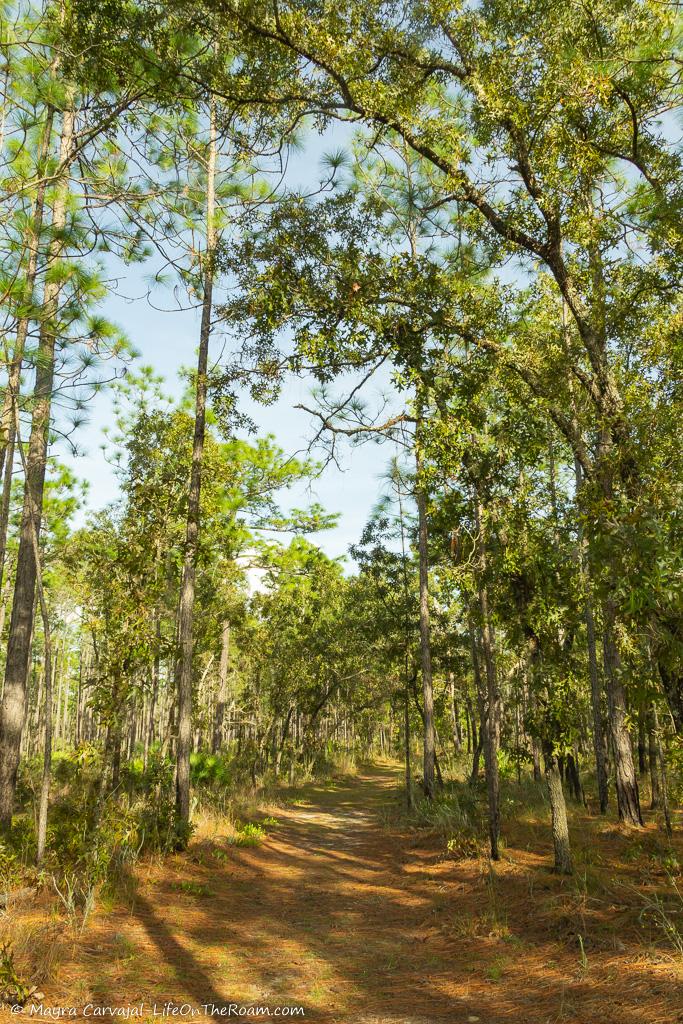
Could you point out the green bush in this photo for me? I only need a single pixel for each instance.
(210, 770)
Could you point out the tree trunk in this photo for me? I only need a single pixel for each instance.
(219, 716)
(32, 244)
(187, 586)
(596, 696)
(455, 714)
(574, 777)
(642, 762)
(492, 693)
(425, 645)
(41, 832)
(478, 739)
(47, 735)
(599, 744)
(652, 759)
(663, 774)
(672, 683)
(13, 712)
(558, 812)
(406, 748)
(626, 779)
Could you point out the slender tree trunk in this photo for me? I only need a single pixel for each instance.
(112, 753)
(425, 642)
(478, 739)
(599, 745)
(149, 728)
(535, 742)
(652, 760)
(406, 654)
(468, 728)
(492, 692)
(492, 739)
(219, 716)
(5, 505)
(455, 715)
(12, 714)
(79, 697)
(574, 777)
(599, 739)
(406, 748)
(4, 598)
(662, 769)
(187, 586)
(642, 760)
(32, 245)
(47, 745)
(47, 676)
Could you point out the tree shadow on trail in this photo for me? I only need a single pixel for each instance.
(195, 980)
(360, 924)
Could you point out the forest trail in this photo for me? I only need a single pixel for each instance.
(356, 923)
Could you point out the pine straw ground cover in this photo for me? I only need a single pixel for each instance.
(348, 910)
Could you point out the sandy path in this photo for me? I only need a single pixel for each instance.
(357, 924)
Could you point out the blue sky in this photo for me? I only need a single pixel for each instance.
(167, 340)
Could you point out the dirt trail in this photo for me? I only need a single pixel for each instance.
(357, 924)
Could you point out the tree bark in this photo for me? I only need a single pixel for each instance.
(406, 748)
(219, 716)
(558, 812)
(652, 761)
(663, 772)
(599, 745)
(187, 586)
(13, 712)
(492, 740)
(425, 642)
(642, 762)
(455, 714)
(41, 832)
(478, 738)
(626, 779)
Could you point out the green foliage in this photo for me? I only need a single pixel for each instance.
(247, 834)
(13, 991)
(210, 770)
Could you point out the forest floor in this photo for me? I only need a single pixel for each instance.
(359, 921)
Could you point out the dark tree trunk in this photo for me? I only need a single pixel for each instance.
(626, 780)
(663, 773)
(652, 761)
(599, 739)
(642, 761)
(492, 739)
(574, 777)
(672, 683)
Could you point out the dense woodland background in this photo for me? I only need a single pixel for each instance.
(497, 240)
